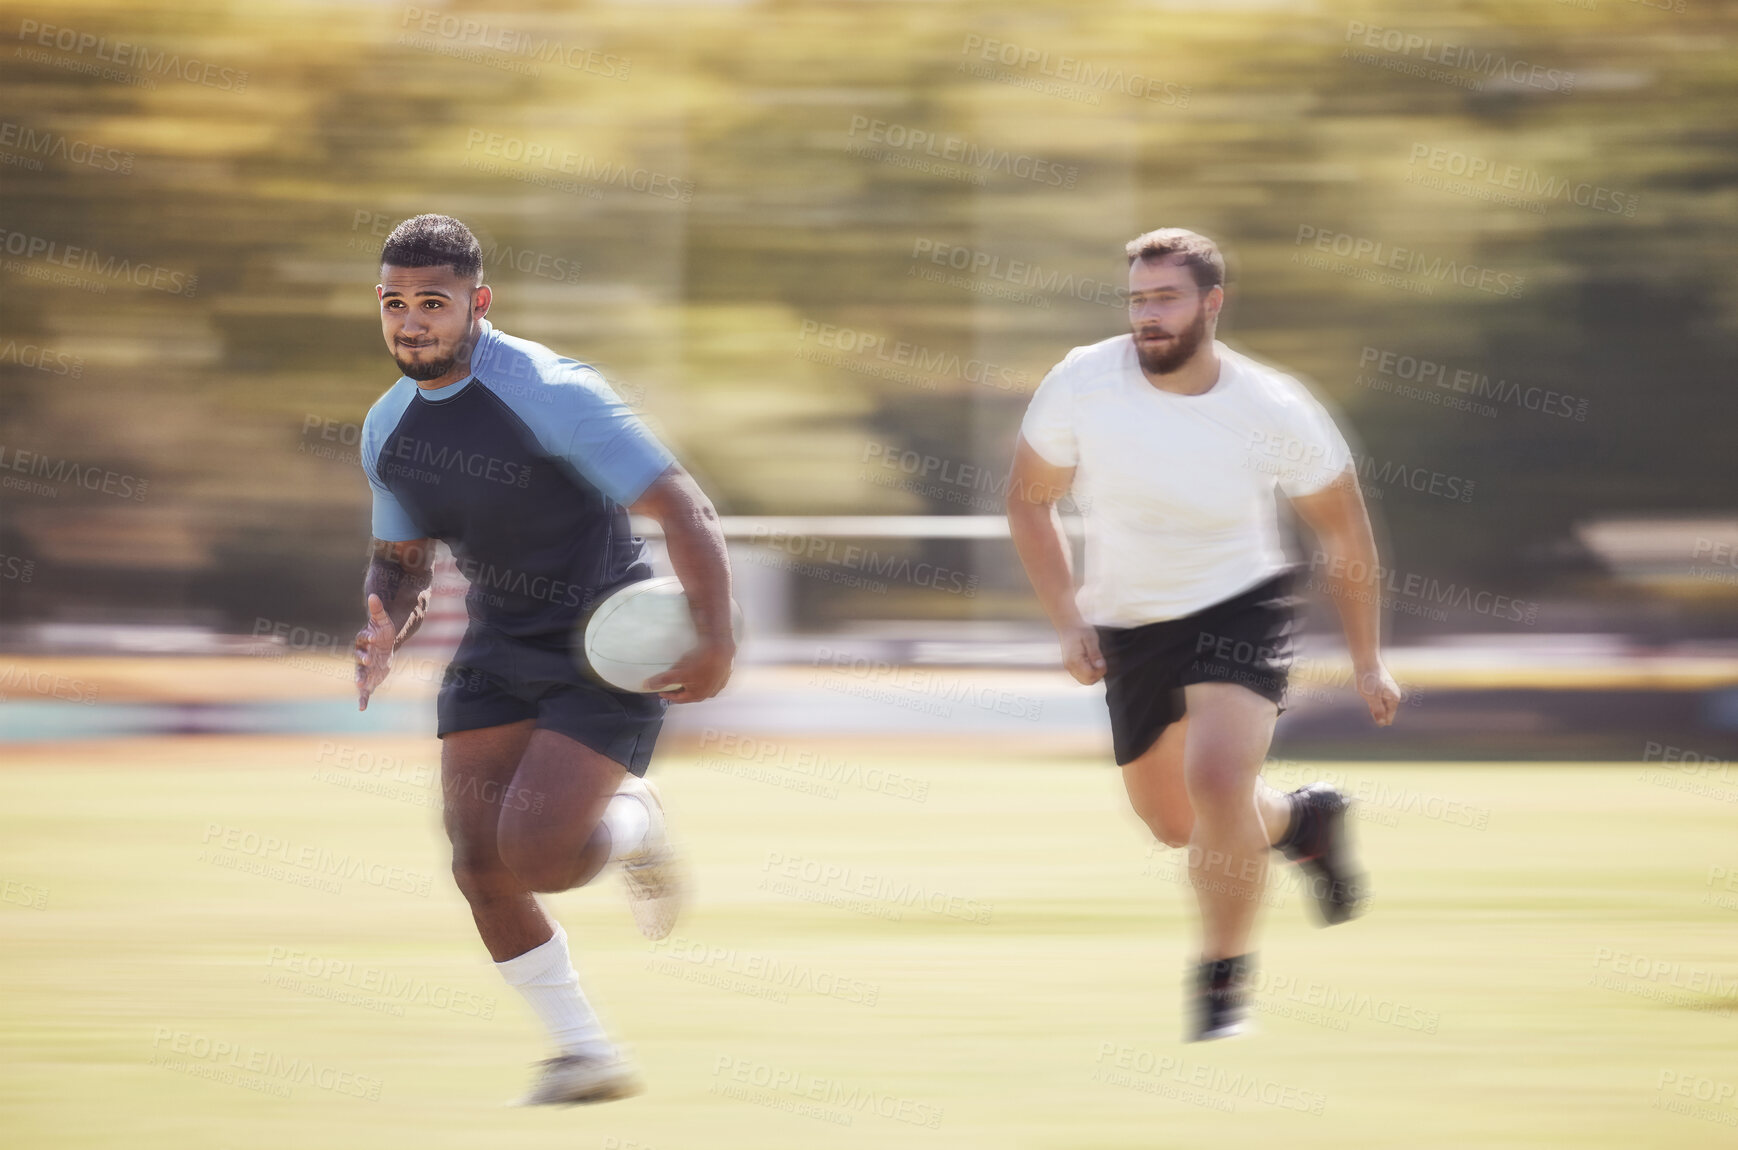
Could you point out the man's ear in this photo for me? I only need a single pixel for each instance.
(480, 301)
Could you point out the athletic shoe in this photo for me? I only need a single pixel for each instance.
(653, 874)
(1220, 1004)
(1319, 843)
(576, 1078)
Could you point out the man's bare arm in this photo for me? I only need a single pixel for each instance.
(1341, 524)
(1034, 486)
(396, 589)
(401, 573)
(695, 540)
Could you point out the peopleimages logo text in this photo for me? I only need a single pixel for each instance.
(958, 150)
(1428, 50)
(1410, 261)
(159, 62)
(81, 259)
(1021, 273)
(1072, 70)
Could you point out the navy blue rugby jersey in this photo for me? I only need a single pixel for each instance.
(525, 470)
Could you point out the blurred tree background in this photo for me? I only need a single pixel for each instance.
(725, 206)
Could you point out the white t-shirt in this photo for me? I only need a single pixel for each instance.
(1178, 491)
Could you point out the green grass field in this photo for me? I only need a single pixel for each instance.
(223, 943)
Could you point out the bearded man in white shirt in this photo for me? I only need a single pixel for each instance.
(1180, 447)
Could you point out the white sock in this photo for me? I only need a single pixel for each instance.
(628, 821)
(545, 976)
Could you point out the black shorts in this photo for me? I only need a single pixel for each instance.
(494, 679)
(1246, 640)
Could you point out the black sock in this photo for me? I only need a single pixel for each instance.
(1221, 995)
(1295, 805)
(1222, 974)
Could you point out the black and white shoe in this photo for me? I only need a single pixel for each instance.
(1319, 844)
(1221, 1005)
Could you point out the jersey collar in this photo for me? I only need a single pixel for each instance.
(435, 395)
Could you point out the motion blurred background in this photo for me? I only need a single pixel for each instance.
(829, 250)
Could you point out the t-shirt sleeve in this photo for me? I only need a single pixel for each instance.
(391, 521)
(1049, 422)
(602, 439)
(1318, 453)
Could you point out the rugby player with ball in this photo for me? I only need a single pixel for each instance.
(526, 464)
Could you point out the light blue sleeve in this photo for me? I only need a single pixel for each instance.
(578, 418)
(391, 522)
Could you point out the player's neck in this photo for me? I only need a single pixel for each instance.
(1198, 376)
(461, 370)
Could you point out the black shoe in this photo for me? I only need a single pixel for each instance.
(1318, 842)
(1220, 1003)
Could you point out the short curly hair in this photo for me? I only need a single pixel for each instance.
(428, 241)
(1200, 254)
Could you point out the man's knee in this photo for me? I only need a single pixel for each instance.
(1218, 788)
(483, 879)
(540, 864)
(1169, 827)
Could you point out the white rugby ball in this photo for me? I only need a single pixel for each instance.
(641, 631)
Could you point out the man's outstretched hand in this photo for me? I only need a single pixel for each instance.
(373, 651)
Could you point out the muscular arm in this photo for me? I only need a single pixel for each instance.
(1034, 486)
(696, 544)
(396, 588)
(1341, 524)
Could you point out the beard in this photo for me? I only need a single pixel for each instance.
(426, 369)
(1168, 357)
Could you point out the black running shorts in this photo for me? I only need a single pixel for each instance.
(1246, 640)
(494, 679)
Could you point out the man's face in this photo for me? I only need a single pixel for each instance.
(1168, 313)
(429, 317)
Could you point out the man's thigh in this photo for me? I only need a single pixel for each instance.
(558, 793)
(1155, 781)
(1226, 730)
(1230, 730)
(477, 770)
